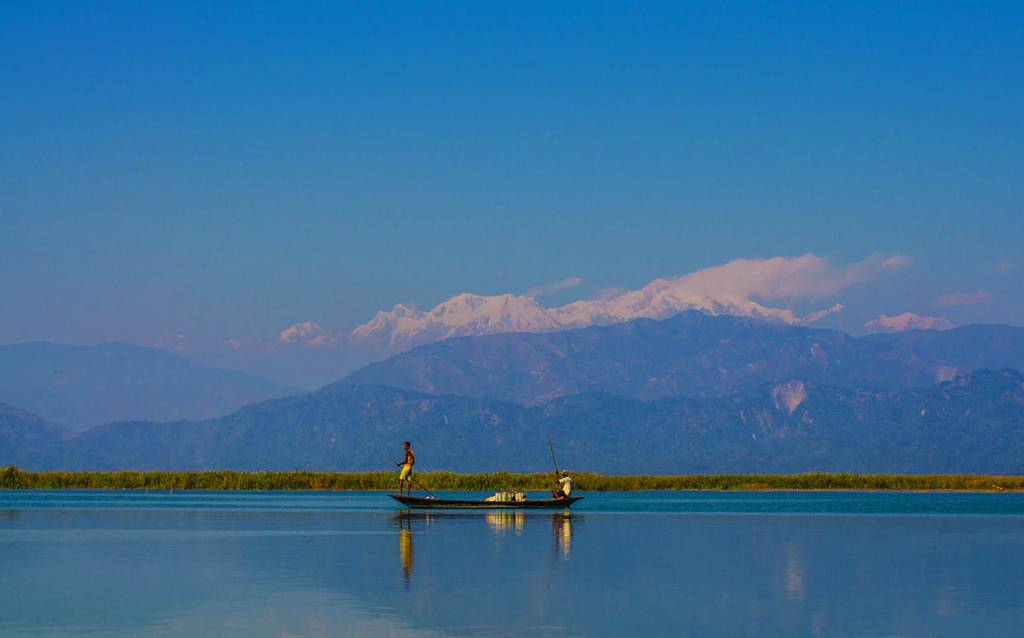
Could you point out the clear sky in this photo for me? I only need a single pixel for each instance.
(226, 170)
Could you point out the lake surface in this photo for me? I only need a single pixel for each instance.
(91, 563)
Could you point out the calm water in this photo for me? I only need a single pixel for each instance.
(655, 563)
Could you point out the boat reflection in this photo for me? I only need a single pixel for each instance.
(561, 530)
(503, 523)
(405, 549)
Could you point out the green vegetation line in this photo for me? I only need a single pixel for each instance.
(14, 478)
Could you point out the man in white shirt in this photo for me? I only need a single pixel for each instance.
(566, 490)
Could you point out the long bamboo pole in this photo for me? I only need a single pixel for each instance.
(551, 448)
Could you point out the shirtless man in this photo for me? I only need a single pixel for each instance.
(406, 465)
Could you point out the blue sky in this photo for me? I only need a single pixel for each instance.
(224, 170)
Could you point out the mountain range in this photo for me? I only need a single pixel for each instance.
(973, 423)
(690, 354)
(83, 386)
(692, 393)
(310, 355)
(474, 315)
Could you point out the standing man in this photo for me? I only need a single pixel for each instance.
(406, 465)
(566, 489)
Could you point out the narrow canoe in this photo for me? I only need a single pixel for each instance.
(418, 502)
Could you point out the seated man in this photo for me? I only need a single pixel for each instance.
(566, 489)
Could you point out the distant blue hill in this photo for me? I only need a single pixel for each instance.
(83, 386)
(28, 441)
(690, 354)
(967, 348)
(973, 424)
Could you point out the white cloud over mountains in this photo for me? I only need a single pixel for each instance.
(568, 282)
(803, 277)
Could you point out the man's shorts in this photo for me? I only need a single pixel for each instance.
(405, 473)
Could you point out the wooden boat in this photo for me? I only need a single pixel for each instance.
(419, 502)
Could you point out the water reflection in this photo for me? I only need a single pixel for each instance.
(724, 575)
(561, 528)
(793, 574)
(405, 548)
(502, 523)
(165, 572)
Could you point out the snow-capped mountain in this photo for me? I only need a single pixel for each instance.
(740, 287)
(665, 297)
(308, 334)
(907, 321)
(472, 315)
(462, 315)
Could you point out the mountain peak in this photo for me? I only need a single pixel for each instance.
(740, 287)
(308, 333)
(402, 310)
(468, 314)
(465, 314)
(907, 321)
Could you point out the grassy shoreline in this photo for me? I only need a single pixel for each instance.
(14, 478)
